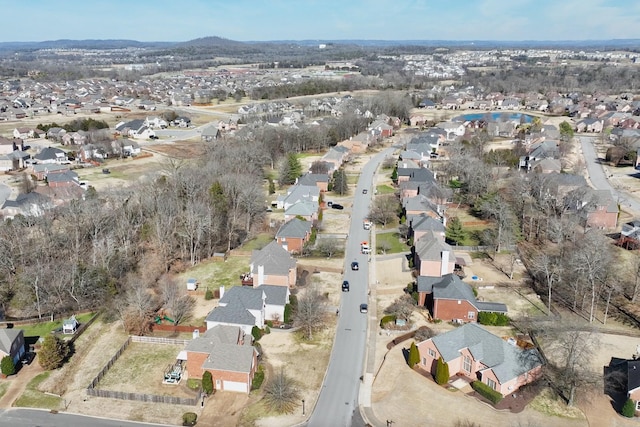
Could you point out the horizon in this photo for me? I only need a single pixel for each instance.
(329, 20)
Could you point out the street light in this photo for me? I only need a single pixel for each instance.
(302, 406)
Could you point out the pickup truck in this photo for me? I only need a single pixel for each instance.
(364, 248)
(366, 224)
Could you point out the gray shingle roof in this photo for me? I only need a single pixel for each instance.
(313, 178)
(294, 228)
(248, 297)
(233, 314)
(233, 358)
(506, 361)
(430, 247)
(424, 222)
(275, 259)
(276, 295)
(225, 349)
(7, 337)
(219, 334)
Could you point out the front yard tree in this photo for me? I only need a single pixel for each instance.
(327, 247)
(281, 394)
(52, 353)
(7, 367)
(402, 307)
(455, 232)
(340, 184)
(414, 355)
(311, 312)
(207, 382)
(442, 372)
(384, 210)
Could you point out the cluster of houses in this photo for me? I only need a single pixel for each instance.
(470, 351)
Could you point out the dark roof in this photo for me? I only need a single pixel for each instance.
(313, 178)
(276, 295)
(49, 153)
(7, 337)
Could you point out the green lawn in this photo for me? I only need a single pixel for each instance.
(258, 242)
(3, 388)
(392, 241)
(218, 273)
(385, 189)
(34, 398)
(352, 179)
(45, 328)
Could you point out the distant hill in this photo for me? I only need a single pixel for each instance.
(82, 44)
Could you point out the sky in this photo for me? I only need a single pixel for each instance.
(264, 20)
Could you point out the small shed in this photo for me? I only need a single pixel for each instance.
(70, 325)
(192, 284)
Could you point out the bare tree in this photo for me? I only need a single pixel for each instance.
(545, 267)
(311, 312)
(570, 349)
(327, 247)
(384, 209)
(402, 307)
(281, 393)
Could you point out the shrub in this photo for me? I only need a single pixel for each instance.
(493, 319)
(442, 372)
(7, 367)
(629, 409)
(208, 296)
(269, 323)
(387, 319)
(414, 355)
(257, 333)
(194, 383)
(189, 418)
(258, 378)
(207, 382)
(486, 391)
(267, 329)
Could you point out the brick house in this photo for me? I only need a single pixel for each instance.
(272, 265)
(450, 299)
(473, 352)
(432, 256)
(293, 235)
(228, 354)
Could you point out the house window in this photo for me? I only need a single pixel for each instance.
(638, 405)
(491, 383)
(284, 239)
(467, 364)
(471, 315)
(432, 354)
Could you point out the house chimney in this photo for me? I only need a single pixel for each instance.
(221, 291)
(444, 263)
(260, 276)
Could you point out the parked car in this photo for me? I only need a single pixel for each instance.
(106, 171)
(345, 286)
(364, 308)
(364, 191)
(337, 206)
(355, 266)
(330, 203)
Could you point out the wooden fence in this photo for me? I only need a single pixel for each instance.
(140, 397)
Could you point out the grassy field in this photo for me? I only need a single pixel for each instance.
(219, 273)
(384, 189)
(34, 398)
(390, 240)
(141, 369)
(258, 242)
(42, 329)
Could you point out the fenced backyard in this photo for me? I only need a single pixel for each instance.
(138, 366)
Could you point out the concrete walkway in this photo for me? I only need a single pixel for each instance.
(18, 383)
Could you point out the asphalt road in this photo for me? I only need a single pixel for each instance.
(42, 418)
(337, 404)
(598, 177)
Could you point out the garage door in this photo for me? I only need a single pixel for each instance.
(234, 386)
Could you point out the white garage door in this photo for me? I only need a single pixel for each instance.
(234, 386)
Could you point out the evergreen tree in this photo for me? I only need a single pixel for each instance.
(340, 184)
(53, 352)
(414, 355)
(455, 232)
(7, 367)
(629, 409)
(207, 382)
(442, 372)
(291, 169)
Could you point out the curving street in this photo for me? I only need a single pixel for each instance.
(45, 418)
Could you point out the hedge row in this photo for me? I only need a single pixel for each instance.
(486, 391)
(493, 319)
